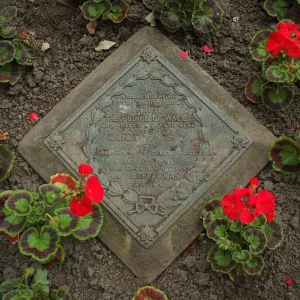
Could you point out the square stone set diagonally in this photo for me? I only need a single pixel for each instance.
(156, 142)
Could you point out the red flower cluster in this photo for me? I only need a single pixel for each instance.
(245, 204)
(93, 190)
(286, 39)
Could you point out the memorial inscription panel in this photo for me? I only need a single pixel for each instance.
(155, 141)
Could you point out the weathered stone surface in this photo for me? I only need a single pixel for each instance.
(163, 137)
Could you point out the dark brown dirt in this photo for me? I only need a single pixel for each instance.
(90, 270)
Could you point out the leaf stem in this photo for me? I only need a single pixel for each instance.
(57, 202)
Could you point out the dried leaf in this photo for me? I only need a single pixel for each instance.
(91, 27)
(2, 135)
(150, 19)
(104, 45)
(45, 46)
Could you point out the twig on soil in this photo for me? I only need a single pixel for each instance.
(65, 4)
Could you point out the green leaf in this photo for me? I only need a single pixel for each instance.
(150, 293)
(118, 11)
(39, 244)
(278, 99)
(274, 233)
(92, 11)
(62, 294)
(13, 295)
(275, 74)
(172, 16)
(22, 56)
(257, 240)
(236, 226)
(51, 193)
(253, 89)
(255, 265)
(257, 46)
(9, 285)
(55, 259)
(285, 154)
(259, 221)
(68, 222)
(7, 32)
(10, 72)
(208, 17)
(221, 260)
(20, 203)
(7, 14)
(64, 182)
(217, 229)
(7, 52)
(242, 257)
(6, 159)
(89, 226)
(276, 8)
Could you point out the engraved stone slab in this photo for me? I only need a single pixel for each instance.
(150, 136)
(162, 136)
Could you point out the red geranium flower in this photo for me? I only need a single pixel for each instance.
(232, 205)
(85, 169)
(265, 204)
(81, 206)
(94, 189)
(246, 216)
(275, 43)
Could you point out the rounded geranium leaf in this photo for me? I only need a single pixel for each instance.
(217, 229)
(212, 204)
(149, 292)
(22, 56)
(285, 154)
(7, 14)
(6, 161)
(8, 32)
(298, 74)
(94, 189)
(253, 89)
(64, 182)
(89, 226)
(276, 8)
(10, 223)
(278, 99)
(51, 193)
(85, 169)
(55, 259)
(209, 17)
(20, 203)
(275, 74)
(221, 260)
(10, 72)
(236, 226)
(92, 10)
(257, 240)
(39, 244)
(172, 17)
(274, 233)
(7, 52)
(39, 208)
(257, 46)
(255, 265)
(118, 11)
(62, 294)
(242, 257)
(67, 221)
(259, 221)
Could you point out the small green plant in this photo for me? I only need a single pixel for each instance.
(115, 10)
(242, 225)
(33, 285)
(151, 293)
(6, 161)
(278, 8)
(279, 53)
(13, 54)
(62, 208)
(285, 155)
(202, 16)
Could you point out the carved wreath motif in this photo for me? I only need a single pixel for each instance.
(55, 141)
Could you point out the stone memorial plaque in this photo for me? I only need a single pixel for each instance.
(151, 137)
(162, 136)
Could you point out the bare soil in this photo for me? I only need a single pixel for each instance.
(91, 270)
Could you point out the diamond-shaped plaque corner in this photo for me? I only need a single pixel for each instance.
(156, 142)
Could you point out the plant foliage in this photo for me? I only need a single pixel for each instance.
(278, 8)
(279, 53)
(202, 16)
(6, 161)
(242, 225)
(33, 285)
(61, 208)
(149, 292)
